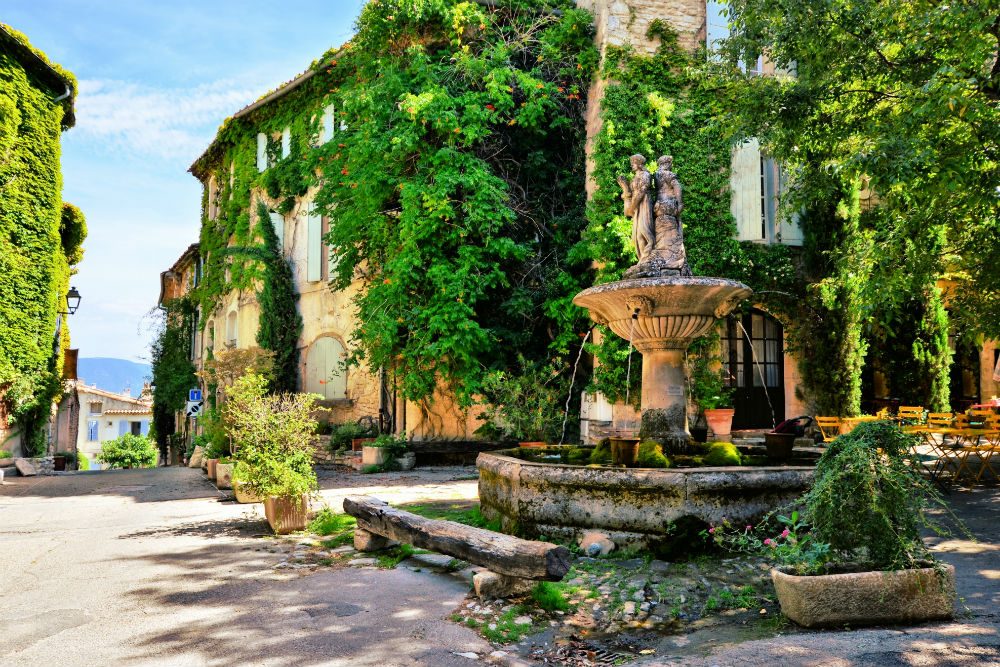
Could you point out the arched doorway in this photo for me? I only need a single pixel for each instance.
(759, 387)
(323, 373)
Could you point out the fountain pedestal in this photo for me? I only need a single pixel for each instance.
(662, 316)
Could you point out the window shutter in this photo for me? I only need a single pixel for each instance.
(328, 129)
(314, 245)
(278, 221)
(261, 151)
(123, 427)
(92, 430)
(286, 142)
(144, 427)
(745, 185)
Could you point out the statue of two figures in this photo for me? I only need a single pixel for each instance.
(653, 201)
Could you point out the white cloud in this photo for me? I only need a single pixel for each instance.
(176, 123)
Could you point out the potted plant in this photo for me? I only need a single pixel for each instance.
(856, 556)
(708, 387)
(271, 446)
(525, 405)
(388, 452)
(59, 462)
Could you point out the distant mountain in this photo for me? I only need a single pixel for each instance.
(113, 374)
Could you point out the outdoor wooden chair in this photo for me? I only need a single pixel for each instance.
(987, 447)
(829, 427)
(910, 414)
(934, 434)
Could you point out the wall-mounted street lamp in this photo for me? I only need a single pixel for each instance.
(72, 301)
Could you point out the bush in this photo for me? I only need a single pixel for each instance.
(722, 454)
(601, 453)
(651, 455)
(271, 437)
(82, 462)
(4, 454)
(578, 455)
(70, 458)
(341, 436)
(869, 502)
(129, 451)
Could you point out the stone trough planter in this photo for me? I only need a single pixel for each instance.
(867, 598)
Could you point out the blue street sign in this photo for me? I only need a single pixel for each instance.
(194, 395)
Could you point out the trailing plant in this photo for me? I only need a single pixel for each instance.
(869, 502)
(271, 435)
(42, 238)
(129, 451)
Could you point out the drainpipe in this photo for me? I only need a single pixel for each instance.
(68, 92)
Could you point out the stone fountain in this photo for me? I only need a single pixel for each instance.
(659, 306)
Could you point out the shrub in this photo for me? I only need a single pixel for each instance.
(601, 453)
(722, 454)
(129, 451)
(82, 462)
(651, 455)
(578, 455)
(271, 437)
(869, 502)
(4, 454)
(341, 436)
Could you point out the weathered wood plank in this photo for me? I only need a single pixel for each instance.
(503, 554)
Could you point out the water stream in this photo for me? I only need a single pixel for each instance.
(763, 380)
(628, 371)
(572, 380)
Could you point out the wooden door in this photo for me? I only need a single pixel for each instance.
(753, 354)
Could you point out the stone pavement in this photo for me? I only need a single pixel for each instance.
(149, 567)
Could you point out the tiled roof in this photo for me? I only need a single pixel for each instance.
(128, 412)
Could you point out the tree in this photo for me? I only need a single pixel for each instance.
(906, 96)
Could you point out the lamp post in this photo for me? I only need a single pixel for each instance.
(72, 301)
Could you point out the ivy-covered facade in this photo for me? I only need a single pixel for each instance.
(41, 240)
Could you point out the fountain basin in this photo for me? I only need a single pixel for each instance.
(634, 506)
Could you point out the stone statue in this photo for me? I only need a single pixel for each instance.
(638, 198)
(657, 231)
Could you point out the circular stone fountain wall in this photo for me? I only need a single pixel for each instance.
(631, 505)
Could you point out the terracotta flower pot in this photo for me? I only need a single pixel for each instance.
(867, 598)
(244, 496)
(624, 451)
(287, 515)
(532, 444)
(779, 445)
(358, 443)
(224, 475)
(720, 420)
(211, 467)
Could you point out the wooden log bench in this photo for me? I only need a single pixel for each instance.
(512, 565)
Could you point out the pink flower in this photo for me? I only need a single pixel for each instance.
(749, 527)
(785, 532)
(769, 542)
(711, 530)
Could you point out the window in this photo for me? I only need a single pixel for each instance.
(92, 430)
(324, 374)
(261, 151)
(213, 198)
(286, 142)
(135, 428)
(278, 221)
(96, 407)
(314, 245)
(757, 183)
(231, 329)
(327, 130)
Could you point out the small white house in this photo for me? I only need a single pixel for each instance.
(89, 416)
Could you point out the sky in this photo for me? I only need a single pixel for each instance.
(157, 78)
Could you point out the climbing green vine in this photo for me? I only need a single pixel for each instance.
(41, 237)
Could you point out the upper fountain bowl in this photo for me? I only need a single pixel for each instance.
(671, 310)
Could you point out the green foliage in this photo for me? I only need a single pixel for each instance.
(651, 456)
(172, 370)
(459, 513)
(667, 104)
(328, 522)
(869, 502)
(549, 596)
(129, 451)
(82, 462)
(706, 375)
(72, 232)
(783, 540)
(578, 455)
(905, 96)
(526, 404)
(343, 435)
(602, 453)
(270, 436)
(4, 454)
(280, 322)
(35, 263)
(722, 454)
